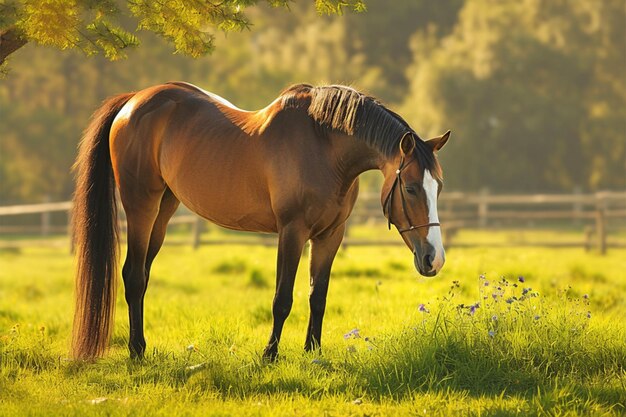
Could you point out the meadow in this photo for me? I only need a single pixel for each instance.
(500, 332)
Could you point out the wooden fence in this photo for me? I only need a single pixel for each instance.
(597, 213)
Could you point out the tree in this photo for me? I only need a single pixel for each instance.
(534, 90)
(100, 26)
(382, 36)
(41, 156)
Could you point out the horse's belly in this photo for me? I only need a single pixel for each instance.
(248, 221)
(227, 206)
(218, 181)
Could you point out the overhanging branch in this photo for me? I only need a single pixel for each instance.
(11, 39)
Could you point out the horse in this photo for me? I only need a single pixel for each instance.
(290, 168)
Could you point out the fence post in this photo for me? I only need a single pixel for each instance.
(577, 207)
(588, 238)
(601, 223)
(483, 208)
(45, 219)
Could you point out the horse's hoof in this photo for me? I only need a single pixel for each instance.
(136, 354)
(312, 346)
(270, 355)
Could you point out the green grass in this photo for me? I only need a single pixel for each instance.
(558, 349)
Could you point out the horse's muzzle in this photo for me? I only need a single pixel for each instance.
(426, 261)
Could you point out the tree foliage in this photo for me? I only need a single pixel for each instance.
(105, 26)
(534, 90)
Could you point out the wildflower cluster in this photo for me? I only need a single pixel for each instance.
(352, 334)
(505, 299)
(355, 334)
(503, 304)
(504, 290)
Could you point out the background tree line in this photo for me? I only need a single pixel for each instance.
(533, 90)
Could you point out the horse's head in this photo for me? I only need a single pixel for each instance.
(409, 197)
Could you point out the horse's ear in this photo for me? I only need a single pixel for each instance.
(407, 144)
(438, 142)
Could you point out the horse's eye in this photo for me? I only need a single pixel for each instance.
(411, 190)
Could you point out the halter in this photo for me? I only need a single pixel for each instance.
(389, 199)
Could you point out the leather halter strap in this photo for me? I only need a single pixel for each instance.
(389, 199)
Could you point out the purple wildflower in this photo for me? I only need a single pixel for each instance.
(526, 290)
(509, 300)
(521, 279)
(586, 296)
(473, 308)
(423, 308)
(354, 333)
(537, 317)
(486, 284)
(494, 317)
(491, 333)
(588, 314)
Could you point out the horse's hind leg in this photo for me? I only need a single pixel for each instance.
(132, 281)
(142, 209)
(169, 204)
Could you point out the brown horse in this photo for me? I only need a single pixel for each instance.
(291, 168)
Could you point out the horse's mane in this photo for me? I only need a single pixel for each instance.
(338, 108)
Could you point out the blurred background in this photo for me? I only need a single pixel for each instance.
(534, 91)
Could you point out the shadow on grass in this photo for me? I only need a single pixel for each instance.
(398, 368)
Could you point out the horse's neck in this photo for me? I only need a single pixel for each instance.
(354, 157)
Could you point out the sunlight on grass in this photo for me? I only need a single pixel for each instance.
(499, 332)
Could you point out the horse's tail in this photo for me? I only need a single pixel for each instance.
(95, 234)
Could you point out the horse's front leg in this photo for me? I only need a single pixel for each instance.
(323, 251)
(291, 239)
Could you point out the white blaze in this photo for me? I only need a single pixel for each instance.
(431, 187)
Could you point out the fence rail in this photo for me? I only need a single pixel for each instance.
(457, 211)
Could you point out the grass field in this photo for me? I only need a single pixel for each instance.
(475, 340)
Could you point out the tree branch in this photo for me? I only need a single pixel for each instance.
(11, 39)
